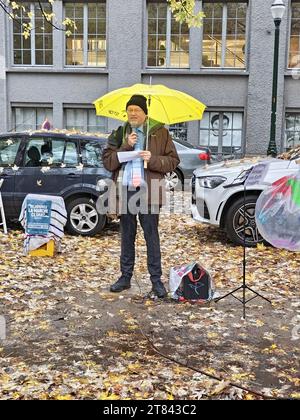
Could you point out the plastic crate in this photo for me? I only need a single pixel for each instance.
(46, 250)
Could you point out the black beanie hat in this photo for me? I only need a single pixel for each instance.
(138, 100)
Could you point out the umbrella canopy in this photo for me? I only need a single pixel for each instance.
(295, 185)
(165, 105)
(278, 213)
(288, 186)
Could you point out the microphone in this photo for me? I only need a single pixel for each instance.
(134, 130)
(134, 127)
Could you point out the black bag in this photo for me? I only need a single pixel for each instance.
(196, 284)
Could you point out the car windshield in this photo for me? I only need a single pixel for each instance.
(291, 154)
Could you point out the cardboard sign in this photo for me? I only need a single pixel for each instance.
(258, 174)
(38, 215)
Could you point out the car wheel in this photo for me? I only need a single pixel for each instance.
(234, 223)
(83, 218)
(173, 180)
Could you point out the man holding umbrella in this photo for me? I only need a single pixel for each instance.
(145, 173)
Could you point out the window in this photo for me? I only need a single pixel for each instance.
(8, 151)
(178, 131)
(84, 120)
(87, 45)
(32, 156)
(64, 152)
(51, 152)
(37, 49)
(168, 40)
(222, 133)
(292, 130)
(91, 151)
(30, 118)
(294, 51)
(224, 34)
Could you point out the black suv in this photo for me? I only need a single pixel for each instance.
(61, 163)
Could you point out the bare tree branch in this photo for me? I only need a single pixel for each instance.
(8, 10)
(49, 20)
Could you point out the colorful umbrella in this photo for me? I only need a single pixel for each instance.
(278, 213)
(295, 187)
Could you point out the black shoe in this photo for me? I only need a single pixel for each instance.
(121, 284)
(159, 289)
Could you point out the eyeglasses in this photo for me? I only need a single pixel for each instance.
(137, 110)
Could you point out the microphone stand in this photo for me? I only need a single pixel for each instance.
(244, 286)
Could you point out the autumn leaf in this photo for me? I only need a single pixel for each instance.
(223, 385)
(69, 337)
(63, 397)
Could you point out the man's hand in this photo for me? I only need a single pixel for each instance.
(145, 155)
(132, 139)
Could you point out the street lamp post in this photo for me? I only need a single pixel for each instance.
(277, 10)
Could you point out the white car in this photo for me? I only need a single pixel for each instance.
(218, 195)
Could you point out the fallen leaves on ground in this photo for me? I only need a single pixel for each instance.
(68, 337)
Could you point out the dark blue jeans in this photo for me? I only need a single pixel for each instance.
(149, 223)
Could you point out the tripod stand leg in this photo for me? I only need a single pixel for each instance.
(228, 294)
(258, 294)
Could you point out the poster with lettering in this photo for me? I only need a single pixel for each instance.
(257, 174)
(38, 215)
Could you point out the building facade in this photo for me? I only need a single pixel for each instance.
(227, 64)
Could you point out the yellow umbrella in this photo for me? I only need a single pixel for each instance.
(168, 106)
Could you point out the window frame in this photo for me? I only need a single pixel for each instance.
(220, 152)
(224, 36)
(86, 117)
(168, 65)
(29, 106)
(291, 112)
(31, 4)
(289, 33)
(175, 128)
(85, 36)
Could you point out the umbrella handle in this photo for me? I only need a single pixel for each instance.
(147, 134)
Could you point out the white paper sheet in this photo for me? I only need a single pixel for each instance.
(127, 156)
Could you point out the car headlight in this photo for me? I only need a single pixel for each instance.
(211, 182)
